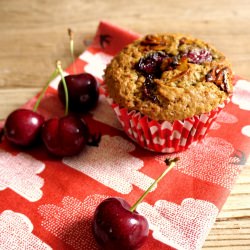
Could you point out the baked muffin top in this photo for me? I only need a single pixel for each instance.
(169, 77)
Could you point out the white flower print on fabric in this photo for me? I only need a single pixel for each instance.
(19, 173)
(16, 233)
(211, 160)
(224, 117)
(112, 165)
(72, 222)
(246, 130)
(105, 114)
(96, 62)
(241, 94)
(184, 226)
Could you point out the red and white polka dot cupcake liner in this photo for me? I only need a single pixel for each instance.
(165, 137)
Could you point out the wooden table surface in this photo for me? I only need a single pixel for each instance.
(34, 35)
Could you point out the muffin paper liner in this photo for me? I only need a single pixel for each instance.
(165, 137)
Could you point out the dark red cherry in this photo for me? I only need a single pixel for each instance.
(23, 127)
(65, 136)
(150, 65)
(116, 227)
(83, 92)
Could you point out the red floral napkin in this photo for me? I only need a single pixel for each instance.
(47, 203)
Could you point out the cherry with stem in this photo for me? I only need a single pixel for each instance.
(117, 225)
(83, 89)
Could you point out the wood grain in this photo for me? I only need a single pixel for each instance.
(33, 36)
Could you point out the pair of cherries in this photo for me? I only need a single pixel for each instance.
(65, 136)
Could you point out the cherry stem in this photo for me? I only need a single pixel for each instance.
(54, 75)
(71, 44)
(59, 68)
(171, 163)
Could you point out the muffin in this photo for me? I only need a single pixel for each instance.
(167, 89)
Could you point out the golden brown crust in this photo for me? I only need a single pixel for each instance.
(182, 89)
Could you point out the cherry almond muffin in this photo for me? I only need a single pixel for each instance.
(167, 89)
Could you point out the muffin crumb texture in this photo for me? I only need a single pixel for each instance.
(169, 77)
